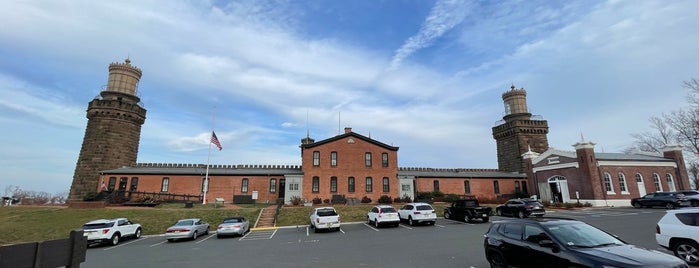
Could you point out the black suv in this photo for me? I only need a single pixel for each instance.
(520, 208)
(558, 242)
(668, 200)
(467, 210)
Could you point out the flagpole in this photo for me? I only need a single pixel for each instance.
(208, 157)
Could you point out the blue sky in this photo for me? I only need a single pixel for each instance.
(426, 76)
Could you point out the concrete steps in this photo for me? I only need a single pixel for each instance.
(267, 217)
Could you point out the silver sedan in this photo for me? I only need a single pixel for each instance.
(187, 228)
(233, 226)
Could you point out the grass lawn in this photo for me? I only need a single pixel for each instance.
(32, 223)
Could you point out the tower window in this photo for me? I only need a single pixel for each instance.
(384, 159)
(367, 159)
(333, 159)
(316, 158)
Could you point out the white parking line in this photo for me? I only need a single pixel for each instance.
(307, 232)
(342, 230)
(123, 244)
(367, 225)
(202, 240)
(158, 244)
(439, 225)
(401, 225)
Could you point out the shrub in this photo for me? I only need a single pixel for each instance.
(437, 194)
(91, 196)
(296, 200)
(521, 194)
(317, 200)
(424, 196)
(326, 201)
(450, 198)
(569, 205)
(397, 200)
(406, 199)
(384, 199)
(366, 199)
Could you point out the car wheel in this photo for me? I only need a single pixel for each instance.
(497, 260)
(315, 230)
(636, 205)
(498, 212)
(115, 239)
(447, 215)
(410, 221)
(695, 203)
(206, 232)
(170, 240)
(194, 235)
(485, 219)
(138, 233)
(368, 220)
(376, 223)
(218, 236)
(687, 251)
(670, 206)
(467, 218)
(520, 214)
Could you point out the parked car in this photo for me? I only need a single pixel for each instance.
(383, 215)
(187, 228)
(232, 226)
(678, 231)
(692, 196)
(668, 200)
(415, 213)
(557, 242)
(110, 231)
(324, 218)
(520, 208)
(467, 210)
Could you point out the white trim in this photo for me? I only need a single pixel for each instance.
(560, 166)
(614, 193)
(608, 202)
(625, 193)
(637, 163)
(552, 151)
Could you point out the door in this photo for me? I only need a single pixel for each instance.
(282, 188)
(641, 185)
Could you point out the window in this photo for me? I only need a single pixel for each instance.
(608, 182)
(656, 181)
(691, 219)
(316, 158)
(272, 185)
(204, 185)
(367, 159)
(368, 184)
(122, 183)
(512, 230)
(244, 188)
(467, 187)
(524, 187)
(639, 178)
(163, 186)
(405, 187)
(134, 184)
(435, 185)
(316, 184)
(534, 234)
(622, 182)
(496, 187)
(384, 159)
(333, 159)
(333, 184)
(670, 183)
(112, 183)
(517, 186)
(350, 184)
(386, 188)
(293, 187)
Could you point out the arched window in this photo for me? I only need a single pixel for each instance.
(670, 182)
(608, 182)
(622, 183)
(656, 181)
(639, 177)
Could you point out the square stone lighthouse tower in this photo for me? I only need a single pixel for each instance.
(519, 132)
(114, 120)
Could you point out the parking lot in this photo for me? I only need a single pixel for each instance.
(446, 244)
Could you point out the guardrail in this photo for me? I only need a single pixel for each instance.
(68, 252)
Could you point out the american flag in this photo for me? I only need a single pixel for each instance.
(215, 141)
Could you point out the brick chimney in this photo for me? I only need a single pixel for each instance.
(348, 130)
(674, 152)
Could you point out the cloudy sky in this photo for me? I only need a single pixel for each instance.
(426, 76)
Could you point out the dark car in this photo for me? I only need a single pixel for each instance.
(557, 242)
(692, 196)
(668, 200)
(520, 208)
(467, 210)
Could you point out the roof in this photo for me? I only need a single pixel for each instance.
(189, 169)
(458, 173)
(631, 157)
(350, 134)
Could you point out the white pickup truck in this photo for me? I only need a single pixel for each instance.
(110, 231)
(325, 218)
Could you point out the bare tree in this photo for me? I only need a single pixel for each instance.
(693, 86)
(694, 173)
(654, 141)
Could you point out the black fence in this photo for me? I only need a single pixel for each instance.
(68, 252)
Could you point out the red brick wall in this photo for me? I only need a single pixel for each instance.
(482, 188)
(350, 163)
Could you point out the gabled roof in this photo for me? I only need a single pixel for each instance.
(631, 157)
(350, 134)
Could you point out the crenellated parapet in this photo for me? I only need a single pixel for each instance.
(240, 166)
(114, 109)
(426, 169)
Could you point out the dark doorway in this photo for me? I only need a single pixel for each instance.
(555, 192)
(282, 188)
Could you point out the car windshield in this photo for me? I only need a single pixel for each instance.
(388, 210)
(326, 212)
(471, 203)
(185, 223)
(424, 207)
(89, 226)
(235, 220)
(582, 235)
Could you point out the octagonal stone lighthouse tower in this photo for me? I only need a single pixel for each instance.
(114, 120)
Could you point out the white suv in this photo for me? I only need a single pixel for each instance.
(110, 231)
(417, 213)
(382, 215)
(678, 231)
